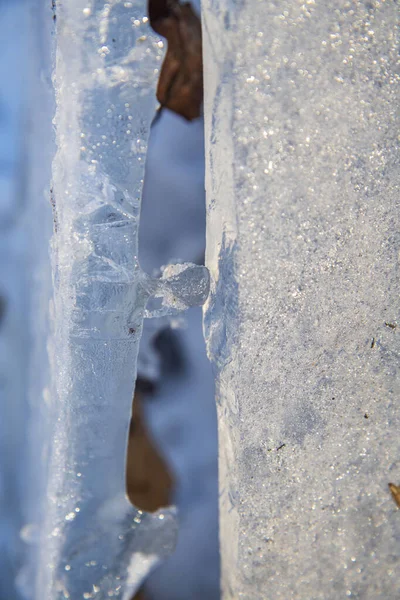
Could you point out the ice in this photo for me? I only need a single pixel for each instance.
(301, 110)
(93, 543)
(180, 287)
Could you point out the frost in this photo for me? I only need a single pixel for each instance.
(302, 122)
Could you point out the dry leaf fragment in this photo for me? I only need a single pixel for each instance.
(180, 87)
(395, 489)
(149, 481)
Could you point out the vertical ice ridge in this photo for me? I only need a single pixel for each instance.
(221, 317)
(106, 65)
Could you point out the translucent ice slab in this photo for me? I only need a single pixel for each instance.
(93, 542)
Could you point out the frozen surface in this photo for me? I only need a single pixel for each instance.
(302, 157)
(93, 543)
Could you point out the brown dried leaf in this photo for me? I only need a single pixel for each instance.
(148, 479)
(180, 86)
(395, 489)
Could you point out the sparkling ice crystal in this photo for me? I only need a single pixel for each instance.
(302, 149)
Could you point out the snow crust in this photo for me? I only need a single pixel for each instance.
(301, 112)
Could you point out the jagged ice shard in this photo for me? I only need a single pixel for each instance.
(302, 150)
(93, 543)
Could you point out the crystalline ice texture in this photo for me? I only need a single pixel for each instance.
(181, 286)
(93, 542)
(302, 122)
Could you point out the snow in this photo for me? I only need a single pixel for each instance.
(302, 245)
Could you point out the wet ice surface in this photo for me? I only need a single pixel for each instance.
(93, 542)
(303, 163)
